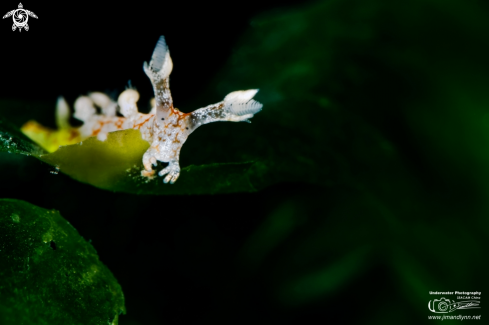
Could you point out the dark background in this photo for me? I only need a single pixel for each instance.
(206, 259)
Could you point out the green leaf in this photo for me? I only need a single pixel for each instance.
(13, 141)
(115, 164)
(49, 274)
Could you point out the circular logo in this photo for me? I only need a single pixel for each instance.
(20, 17)
(443, 306)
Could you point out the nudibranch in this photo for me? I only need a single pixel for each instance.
(165, 127)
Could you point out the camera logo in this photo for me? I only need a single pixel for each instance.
(444, 305)
(440, 305)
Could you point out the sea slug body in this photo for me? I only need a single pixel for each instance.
(165, 127)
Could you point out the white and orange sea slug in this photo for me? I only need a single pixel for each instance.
(165, 127)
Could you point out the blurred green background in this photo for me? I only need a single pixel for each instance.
(373, 147)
